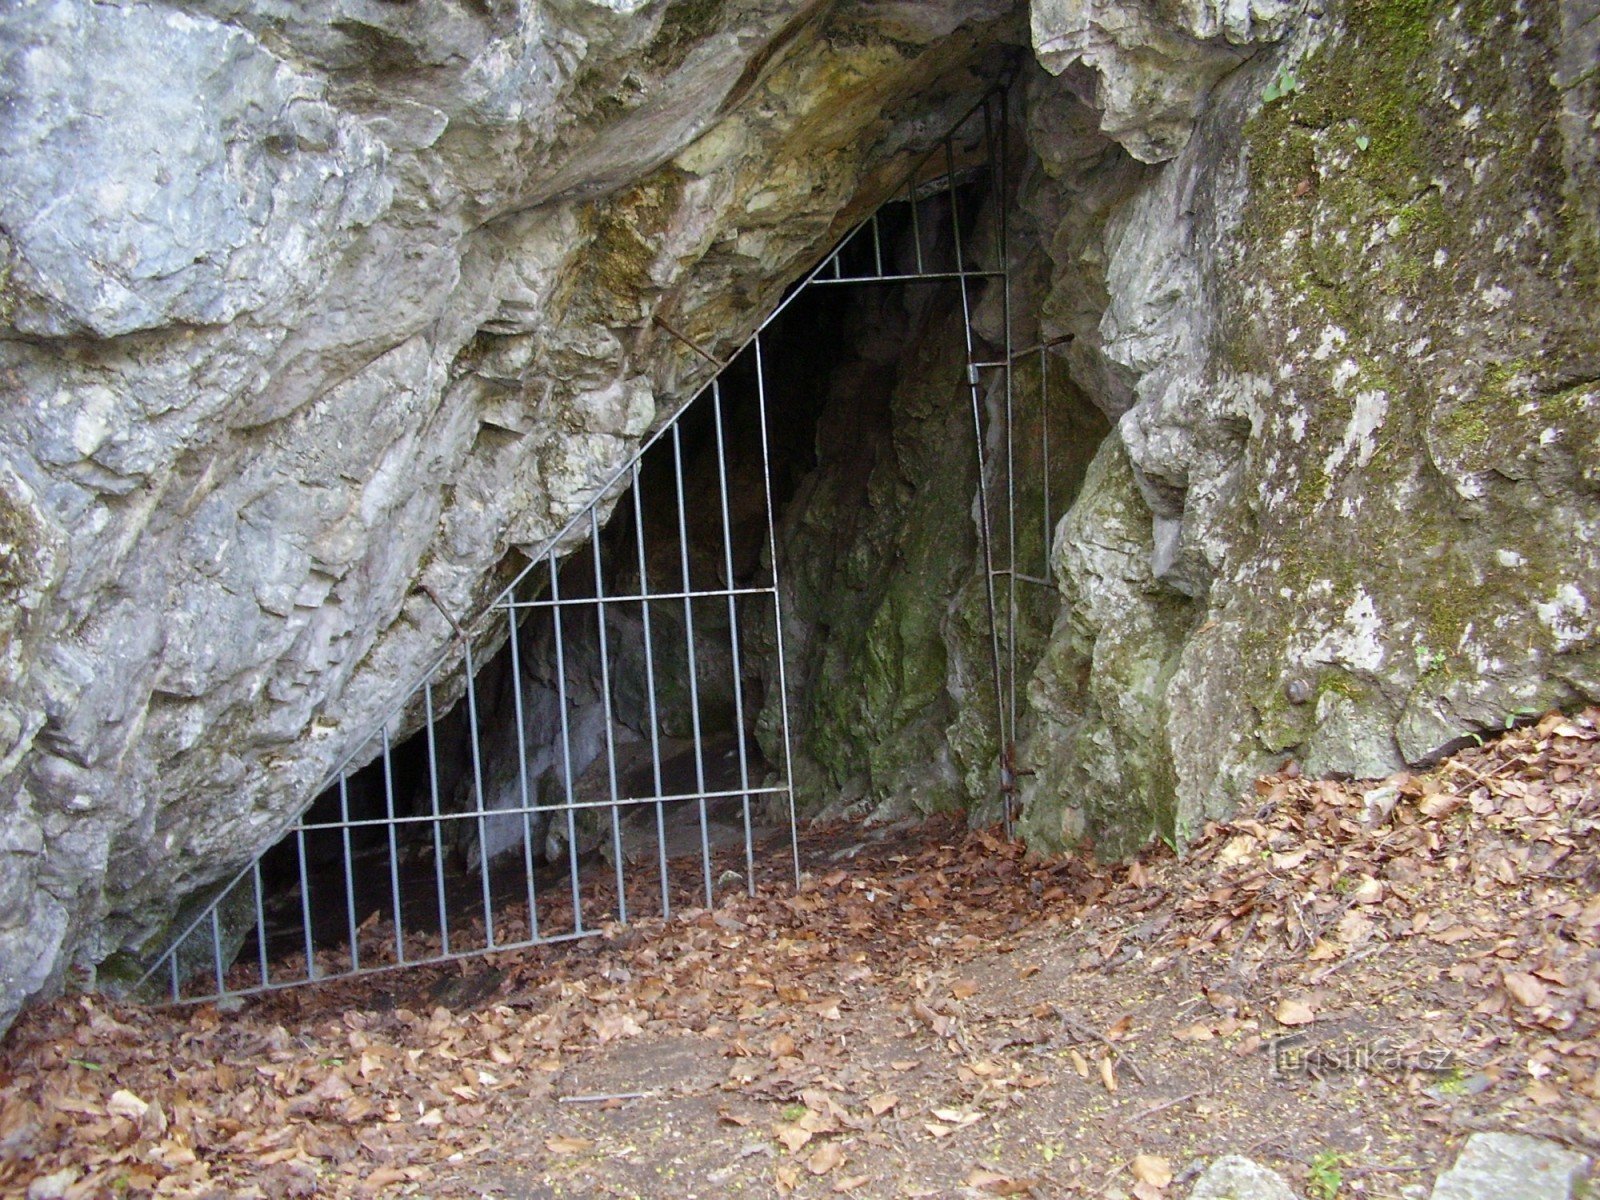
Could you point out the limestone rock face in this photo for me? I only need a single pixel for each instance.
(1153, 64)
(1350, 332)
(311, 314)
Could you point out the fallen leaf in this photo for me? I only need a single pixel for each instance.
(793, 1137)
(826, 1157)
(1108, 1074)
(1294, 1012)
(1354, 928)
(882, 1103)
(1237, 850)
(995, 1183)
(1542, 1093)
(563, 1144)
(1151, 1169)
(124, 1103)
(1525, 989)
(963, 989)
(1367, 891)
(1440, 805)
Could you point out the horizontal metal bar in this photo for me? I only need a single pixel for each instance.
(621, 598)
(491, 813)
(1038, 346)
(382, 968)
(1046, 583)
(915, 277)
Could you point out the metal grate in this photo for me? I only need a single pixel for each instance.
(467, 841)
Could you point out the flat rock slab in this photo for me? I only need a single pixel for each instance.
(1511, 1166)
(1234, 1177)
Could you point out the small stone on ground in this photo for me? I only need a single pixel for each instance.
(1511, 1166)
(1234, 1177)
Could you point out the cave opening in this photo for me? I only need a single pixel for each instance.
(815, 589)
(369, 846)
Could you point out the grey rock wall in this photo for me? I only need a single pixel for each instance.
(1349, 329)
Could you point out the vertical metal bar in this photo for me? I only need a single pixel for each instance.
(566, 745)
(513, 636)
(694, 681)
(985, 531)
(261, 923)
(477, 788)
(305, 898)
(349, 873)
(988, 139)
(172, 963)
(777, 602)
(394, 851)
(605, 700)
(1002, 203)
(1044, 439)
(650, 694)
(437, 822)
(216, 945)
(916, 225)
(877, 248)
(733, 637)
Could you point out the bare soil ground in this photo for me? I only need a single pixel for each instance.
(1343, 983)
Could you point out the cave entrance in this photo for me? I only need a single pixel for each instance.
(610, 738)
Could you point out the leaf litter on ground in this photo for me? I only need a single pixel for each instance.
(1481, 875)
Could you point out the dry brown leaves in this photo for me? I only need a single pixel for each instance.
(1491, 861)
(322, 1093)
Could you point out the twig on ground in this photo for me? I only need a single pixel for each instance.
(1105, 1184)
(1399, 1169)
(1147, 1113)
(606, 1097)
(1094, 1035)
(1346, 961)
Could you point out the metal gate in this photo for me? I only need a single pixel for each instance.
(470, 840)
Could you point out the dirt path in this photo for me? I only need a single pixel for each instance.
(1342, 984)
